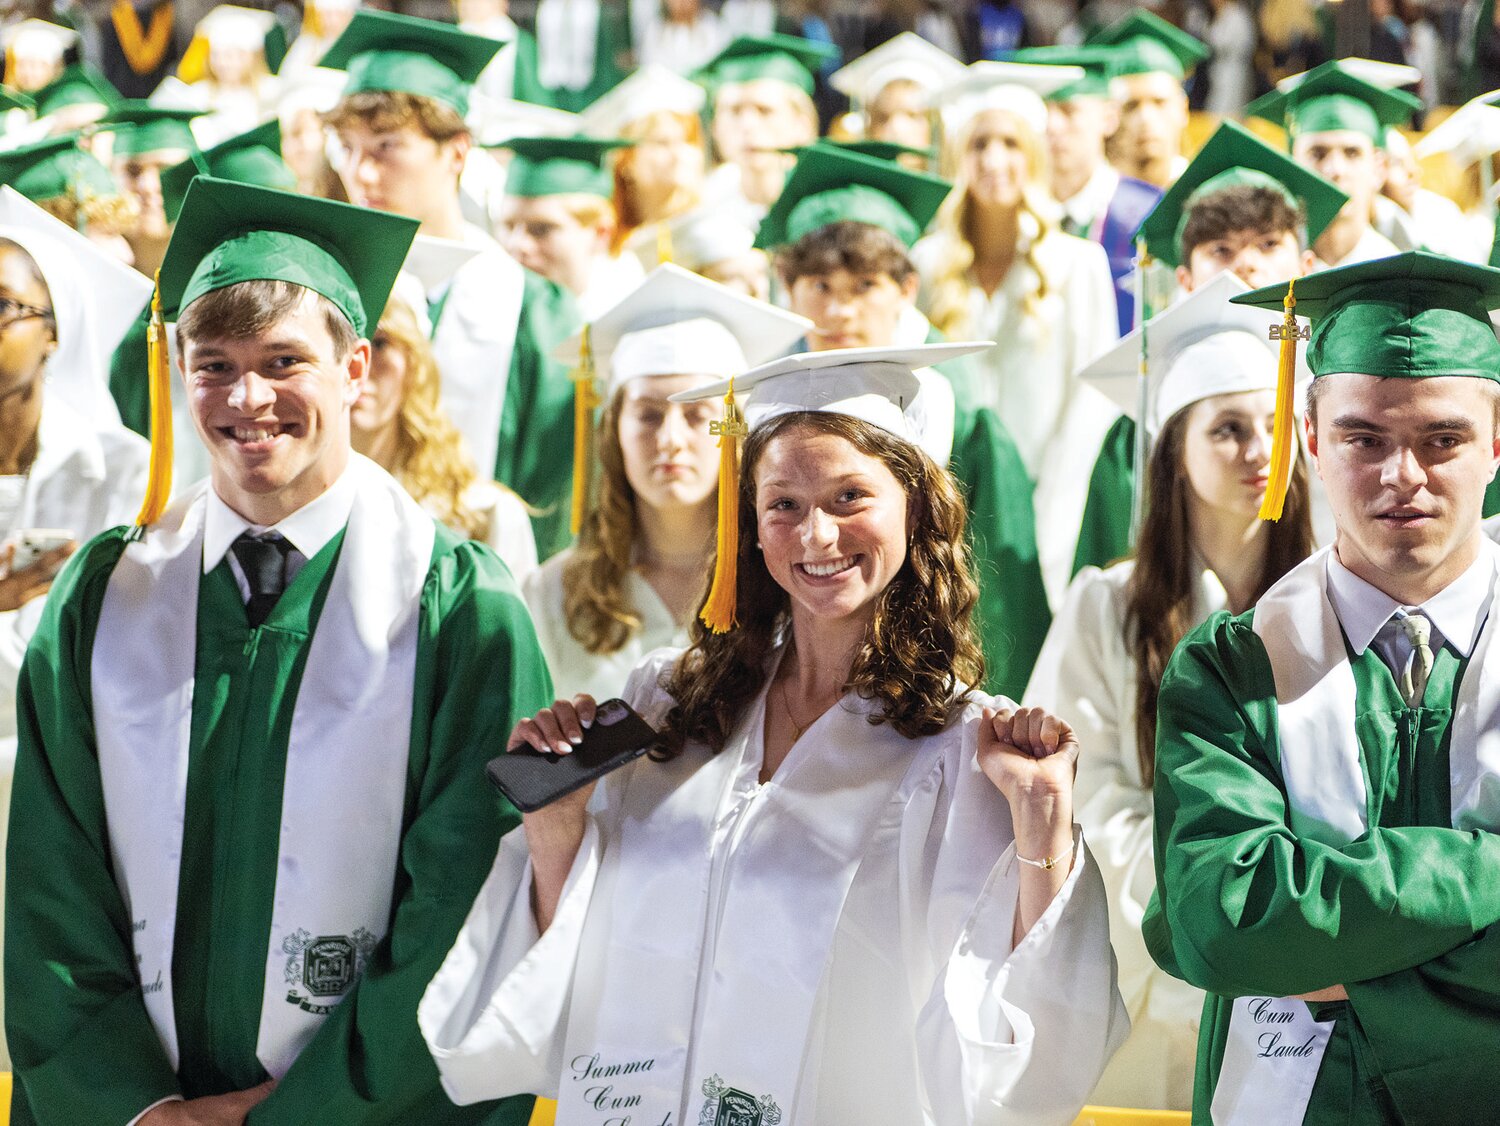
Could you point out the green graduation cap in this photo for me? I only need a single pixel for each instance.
(544, 166)
(831, 185)
(150, 128)
(781, 58)
(14, 99)
(78, 85)
(229, 233)
(1098, 64)
(879, 150)
(250, 158)
(1330, 98)
(1145, 43)
(386, 51)
(56, 167)
(1235, 157)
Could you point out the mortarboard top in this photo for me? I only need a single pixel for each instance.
(1200, 347)
(676, 323)
(229, 233)
(830, 185)
(34, 38)
(1470, 133)
(14, 99)
(908, 56)
(386, 51)
(1234, 156)
(253, 157)
(234, 26)
(56, 167)
(78, 85)
(651, 89)
(781, 58)
(1017, 88)
(1329, 98)
(498, 120)
(546, 166)
(1388, 76)
(1097, 63)
(889, 151)
(876, 385)
(150, 128)
(1408, 316)
(1147, 44)
(707, 235)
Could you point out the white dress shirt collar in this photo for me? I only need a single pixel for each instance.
(308, 530)
(1457, 612)
(1092, 200)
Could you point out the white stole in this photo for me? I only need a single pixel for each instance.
(722, 964)
(1275, 1048)
(567, 41)
(346, 757)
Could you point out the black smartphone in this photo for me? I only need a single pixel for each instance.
(531, 779)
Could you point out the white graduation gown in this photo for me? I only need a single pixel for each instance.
(508, 526)
(1086, 675)
(574, 669)
(1031, 376)
(834, 944)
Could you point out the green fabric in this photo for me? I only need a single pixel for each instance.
(56, 167)
(386, 51)
(854, 204)
(780, 58)
(1492, 498)
(128, 385)
(534, 456)
(1232, 157)
(1104, 534)
(1245, 907)
(1097, 63)
(253, 157)
(15, 99)
(84, 1049)
(611, 48)
(229, 232)
(527, 85)
(1329, 98)
(78, 85)
(548, 166)
(1408, 316)
(145, 128)
(1144, 43)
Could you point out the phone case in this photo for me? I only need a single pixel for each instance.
(531, 779)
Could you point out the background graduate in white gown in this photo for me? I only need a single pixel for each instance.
(844, 888)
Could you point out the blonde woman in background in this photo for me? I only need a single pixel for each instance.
(396, 423)
(638, 571)
(999, 267)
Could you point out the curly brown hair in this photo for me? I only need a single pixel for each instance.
(920, 654)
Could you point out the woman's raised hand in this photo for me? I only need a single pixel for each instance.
(1031, 756)
(557, 729)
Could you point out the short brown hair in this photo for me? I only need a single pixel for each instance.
(1244, 207)
(857, 247)
(385, 111)
(1316, 388)
(250, 308)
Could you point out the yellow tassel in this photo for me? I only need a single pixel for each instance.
(194, 64)
(159, 363)
(718, 612)
(663, 243)
(1284, 436)
(9, 78)
(585, 399)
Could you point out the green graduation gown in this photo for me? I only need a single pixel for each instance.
(611, 46)
(85, 1050)
(1104, 535)
(1244, 907)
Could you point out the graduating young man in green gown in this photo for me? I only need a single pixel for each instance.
(1327, 763)
(249, 808)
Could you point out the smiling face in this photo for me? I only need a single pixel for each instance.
(273, 409)
(1405, 463)
(670, 458)
(1226, 452)
(996, 165)
(831, 522)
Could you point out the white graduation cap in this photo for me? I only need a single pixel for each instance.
(316, 88)
(1389, 76)
(37, 39)
(234, 27)
(1016, 87)
(651, 89)
(676, 323)
(96, 299)
(707, 235)
(173, 93)
(907, 56)
(1469, 134)
(876, 385)
(497, 120)
(1200, 347)
(433, 261)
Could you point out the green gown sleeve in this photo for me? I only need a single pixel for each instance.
(83, 1047)
(1104, 534)
(527, 87)
(1245, 906)
(1012, 616)
(479, 670)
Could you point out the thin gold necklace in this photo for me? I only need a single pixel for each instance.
(786, 706)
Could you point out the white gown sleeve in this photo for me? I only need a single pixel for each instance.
(1008, 1036)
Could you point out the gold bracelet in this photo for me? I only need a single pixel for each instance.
(1046, 863)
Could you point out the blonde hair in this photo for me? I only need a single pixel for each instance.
(683, 198)
(108, 214)
(431, 461)
(948, 307)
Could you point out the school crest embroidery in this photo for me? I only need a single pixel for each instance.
(727, 1106)
(321, 970)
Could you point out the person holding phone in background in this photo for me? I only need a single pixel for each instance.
(845, 887)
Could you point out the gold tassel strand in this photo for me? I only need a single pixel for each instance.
(585, 399)
(1284, 433)
(718, 612)
(663, 242)
(159, 375)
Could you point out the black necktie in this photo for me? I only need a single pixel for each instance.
(264, 564)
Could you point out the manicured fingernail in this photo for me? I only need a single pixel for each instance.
(587, 723)
(575, 739)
